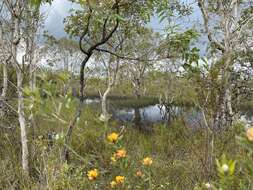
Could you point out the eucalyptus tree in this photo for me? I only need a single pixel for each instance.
(95, 24)
(62, 54)
(22, 20)
(142, 44)
(228, 27)
(32, 23)
(5, 46)
(16, 10)
(111, 65)
(4, 58)
(4, 55)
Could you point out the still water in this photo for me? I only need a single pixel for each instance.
(158, 114)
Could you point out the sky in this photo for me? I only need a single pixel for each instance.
(60, 9)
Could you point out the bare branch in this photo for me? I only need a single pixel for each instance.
(85, 32)
(125, 57)
(206, 21)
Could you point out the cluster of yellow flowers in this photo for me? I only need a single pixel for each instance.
(113, 137)
(119, 180)
(147, 161)
(92, 174)
(119, 154)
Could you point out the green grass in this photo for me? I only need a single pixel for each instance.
(179, 155)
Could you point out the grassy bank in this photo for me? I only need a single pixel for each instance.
(179, 155)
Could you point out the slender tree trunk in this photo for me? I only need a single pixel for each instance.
(5, 81)
(5, 72)
(137, 89)
(32, 82)
(220, 116)
(22, 122)
(4, 92)
(229, 106)
(224, 115)
(65, 152)
(16, 36)
(223, 111)
(105, 116)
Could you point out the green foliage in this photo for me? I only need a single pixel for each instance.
(178, 45)
(130, 13)
(226, 169)
(234, 174)
(166, 10)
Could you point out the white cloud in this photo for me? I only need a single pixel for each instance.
(55, 14)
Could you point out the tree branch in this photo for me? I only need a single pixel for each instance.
(84, 33)
(218, 45)
(124, 57)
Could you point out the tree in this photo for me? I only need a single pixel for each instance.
(111, 64)
(22, 20)
(32, 21)
(228, 35)
(142, 44)
(4, 60)
(94, 25)
(62, 54)
(15, 9)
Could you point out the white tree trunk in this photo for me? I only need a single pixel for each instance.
(5, 81)
(137, 88)
(22, 121)
(112, 76)
(32, 82)
(105, 116)
(229, 105)
(16, 36)
(2, 59)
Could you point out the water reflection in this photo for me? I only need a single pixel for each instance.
(137, 119)
(144, 118)
(149, 114)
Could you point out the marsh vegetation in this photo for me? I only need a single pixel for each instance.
(118, 104)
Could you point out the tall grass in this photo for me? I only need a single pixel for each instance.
(179, 155)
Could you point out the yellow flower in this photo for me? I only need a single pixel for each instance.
(250, 134)
(113, 137)
(121, 153)
(92, 174)
(113, 184)
(139, 173)
(119, 179)
(147, 161)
